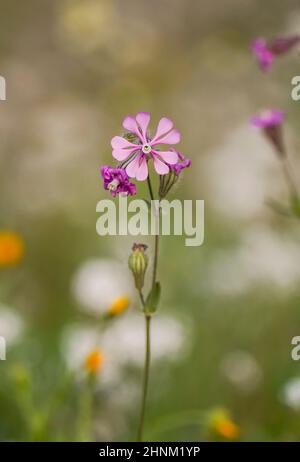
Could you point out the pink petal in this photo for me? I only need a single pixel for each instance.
(160, 167)
(122, 154)
(142, 171)
(130, 124)
(122, 148)
(173, 137)
(163, 127)
(143, 119)
(118, 142)
(171, 157)
(132, 168)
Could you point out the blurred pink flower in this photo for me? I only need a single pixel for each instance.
(268, 118)
(266, 53)
(270, 121)
(136, 155)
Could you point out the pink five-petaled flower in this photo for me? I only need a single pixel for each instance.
(270, 121)
(138, 154)
(116, 181)
(266, 53)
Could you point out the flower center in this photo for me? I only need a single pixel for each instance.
(113, 185)
(146, 148)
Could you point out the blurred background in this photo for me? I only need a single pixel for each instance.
(221, 364)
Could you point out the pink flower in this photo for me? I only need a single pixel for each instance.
(135, 156)
(181, 164)
(270, 122)
(116, 181)
(268, 118)
(266, 53)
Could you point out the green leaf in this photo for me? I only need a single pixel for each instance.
(153, 298)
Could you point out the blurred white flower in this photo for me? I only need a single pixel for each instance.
(263, 256)
(290, 393)
(78, 343)
(243, 172)
(242, 370)
(11, 325)
(99, 283)
(123, 344)
(125, 339)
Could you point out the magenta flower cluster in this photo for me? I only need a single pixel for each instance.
(137, 148)
(116, 181)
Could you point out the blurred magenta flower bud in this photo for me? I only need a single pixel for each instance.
(267, 52)
(270, 122)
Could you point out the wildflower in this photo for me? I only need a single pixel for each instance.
(99, 285)
(220, 424)
(138, 262)
(266, 53)
(262, 258)
(11, 248)
(94, 361)
(116, 181)
(241, 369)
(182, 164)
(135, 155)
(270, 121)
(291, 393)
(123, 340)
(118, 306)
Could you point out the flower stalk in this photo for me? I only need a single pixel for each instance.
(148, 315)
(134, 151)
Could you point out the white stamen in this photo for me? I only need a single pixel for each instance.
(146, 148)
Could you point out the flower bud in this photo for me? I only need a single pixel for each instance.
(138, 262)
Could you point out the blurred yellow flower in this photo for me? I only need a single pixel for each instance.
(118, 306)
(221, 424)
(94, 361)
(11, 248)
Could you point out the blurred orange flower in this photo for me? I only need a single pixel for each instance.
(221, 424)
(119, 305)
(11, 248)
(94, 361)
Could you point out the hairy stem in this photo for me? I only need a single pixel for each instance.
(146, 378)
(148, 322)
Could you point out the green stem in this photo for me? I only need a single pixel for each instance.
(150, 188)
(146, 378)
(155, 260)
(148, 322)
